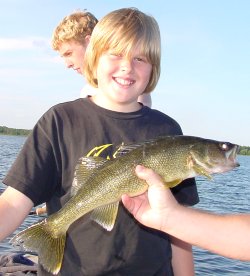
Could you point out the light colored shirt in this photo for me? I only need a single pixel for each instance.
(88, 90)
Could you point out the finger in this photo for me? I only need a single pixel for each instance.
(158, 193)
(128, 203)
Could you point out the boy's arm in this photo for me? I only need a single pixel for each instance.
(182, 258)
(14, 207)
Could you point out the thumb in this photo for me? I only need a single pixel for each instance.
(159, 195)
(149, 176)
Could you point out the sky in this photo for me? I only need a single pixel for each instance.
(205, 65)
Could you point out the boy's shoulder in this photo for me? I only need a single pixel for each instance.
(68, 106)
(166, 122)
(157, 114)
(68, 109)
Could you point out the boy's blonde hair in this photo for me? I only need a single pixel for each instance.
(121, 31)
(75, 26)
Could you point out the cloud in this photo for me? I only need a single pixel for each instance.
(29, 43)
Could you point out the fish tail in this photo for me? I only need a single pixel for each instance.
(41, 239)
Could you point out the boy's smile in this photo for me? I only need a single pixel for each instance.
(123, 82)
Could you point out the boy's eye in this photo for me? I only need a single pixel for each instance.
(67, 54)
(141, 59)
(115, 55)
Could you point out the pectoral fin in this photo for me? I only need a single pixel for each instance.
(200, 171)
(106, 215)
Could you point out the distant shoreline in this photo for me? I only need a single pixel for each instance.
(14, 131)
(25, 132)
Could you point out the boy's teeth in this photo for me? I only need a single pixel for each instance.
(123, 82)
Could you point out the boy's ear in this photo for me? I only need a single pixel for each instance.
(87, 39)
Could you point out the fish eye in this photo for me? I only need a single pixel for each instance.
(224, 146)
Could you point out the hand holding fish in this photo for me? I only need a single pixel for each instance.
(152, 207)
(227, 235)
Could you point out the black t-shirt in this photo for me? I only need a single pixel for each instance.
(44, 171)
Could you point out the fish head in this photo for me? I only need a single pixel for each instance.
(215, 156)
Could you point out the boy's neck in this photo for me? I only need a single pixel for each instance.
(126, 107)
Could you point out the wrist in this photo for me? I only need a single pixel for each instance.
(171, 219)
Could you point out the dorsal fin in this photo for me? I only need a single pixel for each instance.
(85, 167)
(126, 148)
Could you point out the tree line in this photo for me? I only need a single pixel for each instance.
(244, 150)
(13, 131)
(24, 132)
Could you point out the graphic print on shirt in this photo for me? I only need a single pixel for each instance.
(98, 150)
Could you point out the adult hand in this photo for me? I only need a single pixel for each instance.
(152, 207)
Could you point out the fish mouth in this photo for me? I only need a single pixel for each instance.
(231, 155)
(230, 162)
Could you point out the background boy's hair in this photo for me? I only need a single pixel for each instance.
(75, 26)
(121, 31)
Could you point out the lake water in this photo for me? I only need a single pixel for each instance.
(226, 193)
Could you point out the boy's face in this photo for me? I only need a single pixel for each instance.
(73, 53)
(121, 80)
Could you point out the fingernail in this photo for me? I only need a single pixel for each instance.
(139, 168)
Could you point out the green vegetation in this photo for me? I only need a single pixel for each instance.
(13, 131)
(244, 150)
(24, 132)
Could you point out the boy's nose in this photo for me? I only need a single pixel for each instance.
(126, 65)
(68, 63)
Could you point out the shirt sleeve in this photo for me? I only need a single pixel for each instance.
(35, 169)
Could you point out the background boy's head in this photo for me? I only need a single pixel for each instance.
(71, 37)
(122, 31)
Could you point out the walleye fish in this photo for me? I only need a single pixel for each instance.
(100, 183)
